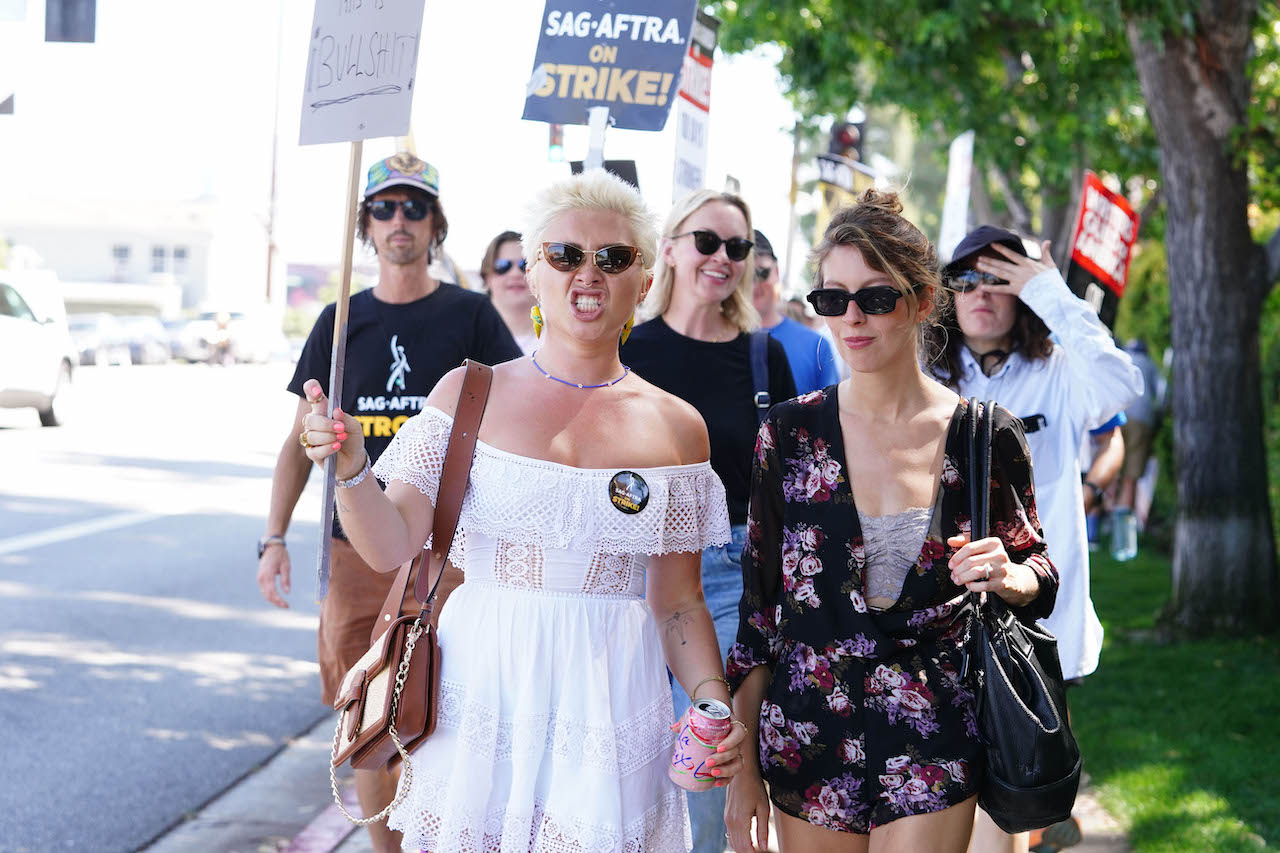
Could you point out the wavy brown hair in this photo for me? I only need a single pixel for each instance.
(890, 244)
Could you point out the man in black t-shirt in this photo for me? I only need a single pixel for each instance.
(402, 336)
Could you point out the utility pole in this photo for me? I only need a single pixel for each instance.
(275, 149)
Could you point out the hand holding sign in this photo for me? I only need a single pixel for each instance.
(323, 436)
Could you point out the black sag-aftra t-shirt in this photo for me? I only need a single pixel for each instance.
(715, 378)
(396, 353)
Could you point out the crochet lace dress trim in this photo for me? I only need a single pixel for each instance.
(557, 506)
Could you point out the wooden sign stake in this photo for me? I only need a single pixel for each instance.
(338, 362)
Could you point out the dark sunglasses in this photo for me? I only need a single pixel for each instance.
(567, 257)
(709, 242)
(503, 265)
(763, 272)
(834, 301)
(384, 209)
(967, 280)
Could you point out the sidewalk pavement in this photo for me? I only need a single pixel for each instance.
(286, 806)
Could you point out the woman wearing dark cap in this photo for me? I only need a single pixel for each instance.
(503, 270)
(698, 348)
(1014, 332)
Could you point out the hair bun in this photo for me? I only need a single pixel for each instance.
(884, 199)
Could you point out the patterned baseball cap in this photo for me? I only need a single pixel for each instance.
(402, 170)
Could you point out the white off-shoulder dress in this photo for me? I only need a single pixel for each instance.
(555, 709)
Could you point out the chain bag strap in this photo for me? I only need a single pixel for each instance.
(453, 482)
(402, 790)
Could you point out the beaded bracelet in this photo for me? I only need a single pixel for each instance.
(694, 692)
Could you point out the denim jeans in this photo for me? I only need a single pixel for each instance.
(722, 588)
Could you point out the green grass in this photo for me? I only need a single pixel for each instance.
(1182, 740)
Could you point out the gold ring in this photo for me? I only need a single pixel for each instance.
(745, 730)
(302, 439)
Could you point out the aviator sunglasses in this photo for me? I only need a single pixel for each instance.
(708, 242)
(384, 209)
(567, 257)
(503, 265)
(834, 301)
(967, 280)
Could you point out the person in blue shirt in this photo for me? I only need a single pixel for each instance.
(813, 360)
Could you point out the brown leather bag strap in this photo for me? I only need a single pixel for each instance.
(453, 485)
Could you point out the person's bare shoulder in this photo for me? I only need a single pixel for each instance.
(681, 422)
(445, 395)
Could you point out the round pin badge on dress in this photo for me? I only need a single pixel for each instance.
(628, 492)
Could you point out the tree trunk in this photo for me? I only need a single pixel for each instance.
(1058, 215)
(1196, 89)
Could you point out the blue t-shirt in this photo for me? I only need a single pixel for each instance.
(812, 358)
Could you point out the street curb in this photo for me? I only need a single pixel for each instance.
(269, 807)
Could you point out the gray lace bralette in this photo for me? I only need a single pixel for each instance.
(891, 545)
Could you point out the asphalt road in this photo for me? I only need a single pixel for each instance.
(140, 671)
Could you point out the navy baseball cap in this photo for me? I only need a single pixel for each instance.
(977, 240)
(763, 246)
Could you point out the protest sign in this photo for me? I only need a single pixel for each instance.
(693, 109)
(623, 54)
(360, 70)
(359, 85)
(1102, 247)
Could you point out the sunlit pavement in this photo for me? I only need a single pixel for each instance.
(141, 674)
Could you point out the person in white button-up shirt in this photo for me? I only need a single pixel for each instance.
(995, 344)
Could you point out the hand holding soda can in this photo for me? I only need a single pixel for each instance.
(706, 725)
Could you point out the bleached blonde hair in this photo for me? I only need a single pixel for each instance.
(736, 307)
(595, 189)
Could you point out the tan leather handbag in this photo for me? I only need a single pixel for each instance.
(387, 702)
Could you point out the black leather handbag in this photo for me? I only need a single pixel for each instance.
(1033, 761)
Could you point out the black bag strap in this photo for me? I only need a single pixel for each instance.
(981, 430)
(759, 341)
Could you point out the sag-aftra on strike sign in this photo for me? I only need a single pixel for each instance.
(623, 54)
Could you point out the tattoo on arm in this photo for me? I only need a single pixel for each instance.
(342, 507)
(675, 625)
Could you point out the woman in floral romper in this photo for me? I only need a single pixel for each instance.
(857, 563)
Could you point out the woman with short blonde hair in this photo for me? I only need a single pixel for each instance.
(582, 561)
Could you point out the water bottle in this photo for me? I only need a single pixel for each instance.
(1124, 534)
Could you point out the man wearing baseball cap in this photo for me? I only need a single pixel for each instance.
(402, 336)
(1014, 332)
(812, 357)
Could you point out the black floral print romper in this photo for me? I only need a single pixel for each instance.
(866, 718)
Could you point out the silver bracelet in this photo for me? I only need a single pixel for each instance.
(358, 478)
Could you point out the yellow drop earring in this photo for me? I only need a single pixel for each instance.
(535, 314)
(626, 330)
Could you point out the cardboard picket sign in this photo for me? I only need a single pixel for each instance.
(359, 85)
(360, 70)
(622, 54)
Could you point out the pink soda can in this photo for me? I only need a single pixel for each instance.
(705, 725)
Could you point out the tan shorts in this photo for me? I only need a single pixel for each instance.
(351, 608)
(1137, 448)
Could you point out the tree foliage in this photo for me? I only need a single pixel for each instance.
(1049, 88)
(1172, 97)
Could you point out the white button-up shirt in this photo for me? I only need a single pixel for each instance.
(1083, 383)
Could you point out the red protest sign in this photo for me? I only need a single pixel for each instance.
(1106, 230)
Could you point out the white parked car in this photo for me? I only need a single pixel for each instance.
(37, 357)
